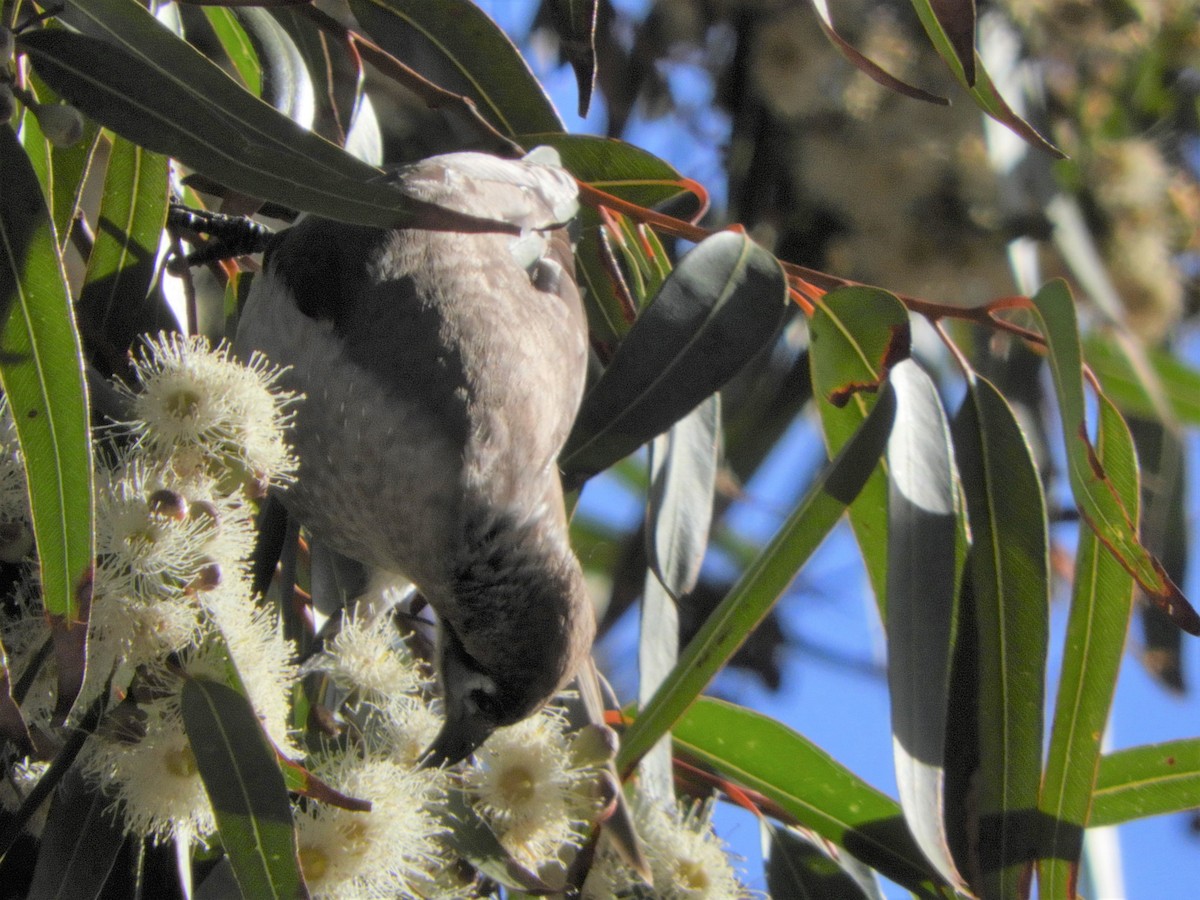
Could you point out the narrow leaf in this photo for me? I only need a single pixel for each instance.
(575, 23)
(921, 604)
(865, 64)
(469, 54)
(856, 335)
(41, 370)
(113, 305)
(1099, 504)
(980, 87)
(722, 303)
(803, 867)
(237, 46)
(12, 723)
(957, 21)
(1144, 381)
(816, 791)
(80, 843)
(1010, 582)
(763, 582)
(1099, 620)
(246, 788)
(133, 75)
(1151, 780)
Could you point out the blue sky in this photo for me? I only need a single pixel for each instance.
(845, 709)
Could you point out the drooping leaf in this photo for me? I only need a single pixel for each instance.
(1010, 588)
(1151, 780)
(246, 789)
(80, 843)
(921, 604)
(41, 370)
(722, 303)
(115, 303)
(980, 87)
(470, 837)
(1096, 629)
(865, 64)
(463, 51)
(1099, 504)
(802, 866)
(287, 83)
(812, 788)
(1144, 381)
(133, 75)
(575, 23)
(683, 471)
(763, 582)
(855, 336)
(237, 46)
(957, 21)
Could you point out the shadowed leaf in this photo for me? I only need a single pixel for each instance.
(722, 303)
(80, 843)
(245, 787)
(801, 866)
(575, 23)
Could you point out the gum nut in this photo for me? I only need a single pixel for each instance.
(168, 504)
(61, 124)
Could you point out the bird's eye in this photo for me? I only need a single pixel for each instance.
(487, 703)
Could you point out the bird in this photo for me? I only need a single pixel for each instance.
(441, 372)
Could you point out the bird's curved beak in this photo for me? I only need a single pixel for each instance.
(461, 734)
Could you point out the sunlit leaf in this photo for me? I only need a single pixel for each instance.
(1100, 606)
(1151, 780)
(1099, 504)
(41, 369)
(763, 582)
(816, 791)
(855, 336)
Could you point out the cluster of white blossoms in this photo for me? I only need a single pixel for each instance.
(172, 600)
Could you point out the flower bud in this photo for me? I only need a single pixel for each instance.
(8, 45)
(168, 504)
(7, 104)
(594, 745)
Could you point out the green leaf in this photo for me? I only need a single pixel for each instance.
(469, 836)
(855, 336)
(719, 307)
(245, 787)
(763, 582)
(113, 305)
(146, 84)
(980, 87)
(816, 791)
(922, 606)
(41, 371)
(1151, 780)
(1111, 519)
(575, 23)
(463, 51)
(79, 843)
(1010, 592)
(237, 46)
(1099, 619)
(1144, 381)
(805, 868)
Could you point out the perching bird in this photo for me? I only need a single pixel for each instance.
(441, 373)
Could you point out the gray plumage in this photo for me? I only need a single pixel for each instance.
(442, 372)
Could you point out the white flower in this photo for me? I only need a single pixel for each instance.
(261, 655)
(154, 780)
(203, 406)
(528, 787)
(686, 858)
(369, 655)
(382, 853)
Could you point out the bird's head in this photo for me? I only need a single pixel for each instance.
(506, 661)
